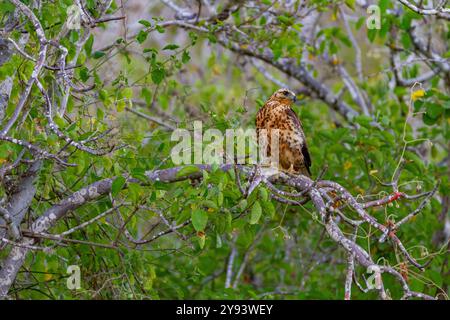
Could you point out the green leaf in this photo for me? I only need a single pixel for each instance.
(210, 204)
(84, 74)
(127, 93)
(218, 241)
(117, 185)
(212, 38)
(269, 208)
(188, 170)
(434, 110)
(98, 54)
(134, 191)
(160, 29)
(147, 95)
(89, 44)
(263, 194)
(428, 120)
(360, 22)
(436, 277)
(363, 120)
(371, 34)
(199, 219)
(158, 74)
(152, 50)
(350, 4)
(4, 151)
(7, 7)
(141, 36)
(103, 95)
(145, 23)
(185, 57)
(220, 199)
(201, 241)
(383, 5)
(171, 47)
(243, 204)
(406, 40)
(285, 20)
(121, 105)
(255, 214)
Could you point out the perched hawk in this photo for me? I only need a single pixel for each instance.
(277, 114)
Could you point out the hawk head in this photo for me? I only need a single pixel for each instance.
(285, 96)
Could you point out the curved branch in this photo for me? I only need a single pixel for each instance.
(103, 187)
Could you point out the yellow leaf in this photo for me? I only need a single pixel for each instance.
(2, 160)
(372, 172)
(216, 70)
(161, 194)
(347, 165)
(335, 61)
(417, 94)
(333, 16)
(120, 105)
(200, 234)
(201, 239)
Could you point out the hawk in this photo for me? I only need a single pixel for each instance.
(277, 114)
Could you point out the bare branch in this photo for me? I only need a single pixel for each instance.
(230, 263)
(37, 67)
(440, 12)
(103, 187)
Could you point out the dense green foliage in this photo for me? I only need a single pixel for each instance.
(179, 75)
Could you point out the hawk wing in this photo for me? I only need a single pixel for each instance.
(304, 147)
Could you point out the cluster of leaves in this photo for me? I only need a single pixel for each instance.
(196, 78)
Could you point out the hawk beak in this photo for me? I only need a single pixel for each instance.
(294, 99)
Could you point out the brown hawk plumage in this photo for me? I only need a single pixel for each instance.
(277, 114)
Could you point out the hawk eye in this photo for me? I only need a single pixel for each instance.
(285, 93)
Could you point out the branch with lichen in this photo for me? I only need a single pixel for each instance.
(303, 185)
